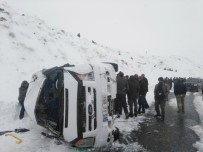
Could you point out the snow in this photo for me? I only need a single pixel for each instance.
(198, 102)
(28, 44)
(158, 27)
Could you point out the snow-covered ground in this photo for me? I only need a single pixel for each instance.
(198, 102)
(28, 45)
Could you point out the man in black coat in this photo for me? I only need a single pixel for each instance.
(133, 94)
(180, 92)
(122, 88)
(22, 93)
(142, 94)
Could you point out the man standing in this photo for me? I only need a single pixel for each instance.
(143, 82)
(122, 88)
(22, 93)
(180, 92)
(133, 94)
(160, 92)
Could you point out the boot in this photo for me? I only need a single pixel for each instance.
(130, 115)
(157, 115)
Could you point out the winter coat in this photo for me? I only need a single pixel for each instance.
(164, 87)
(134, 87)
(146, 83)
(143, 87)
(179, 88)
(122, 85)
(22, 91)
(137, 90)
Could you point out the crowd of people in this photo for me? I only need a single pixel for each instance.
(161, 91)
(136, 88)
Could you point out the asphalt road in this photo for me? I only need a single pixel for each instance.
(172, 135)
(154, 135)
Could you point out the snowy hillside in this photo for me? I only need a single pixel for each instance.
(28, 45)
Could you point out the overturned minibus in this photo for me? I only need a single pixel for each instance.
(75, 102)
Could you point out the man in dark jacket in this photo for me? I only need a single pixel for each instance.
(160, 92)
(180, 92)
(142, 94)
(22, 93)
(146, 86)
(133, 94)
(122, 88)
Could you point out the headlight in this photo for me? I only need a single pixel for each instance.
(87, 77)
(86, 142)
(90, 109)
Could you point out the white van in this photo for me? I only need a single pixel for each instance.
(75, 102)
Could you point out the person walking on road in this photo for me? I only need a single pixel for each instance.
(160, 92)
(180, 92)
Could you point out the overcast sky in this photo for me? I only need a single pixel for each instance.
(156, 26)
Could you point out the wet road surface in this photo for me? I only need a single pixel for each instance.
(172, 135)
(154, 135)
